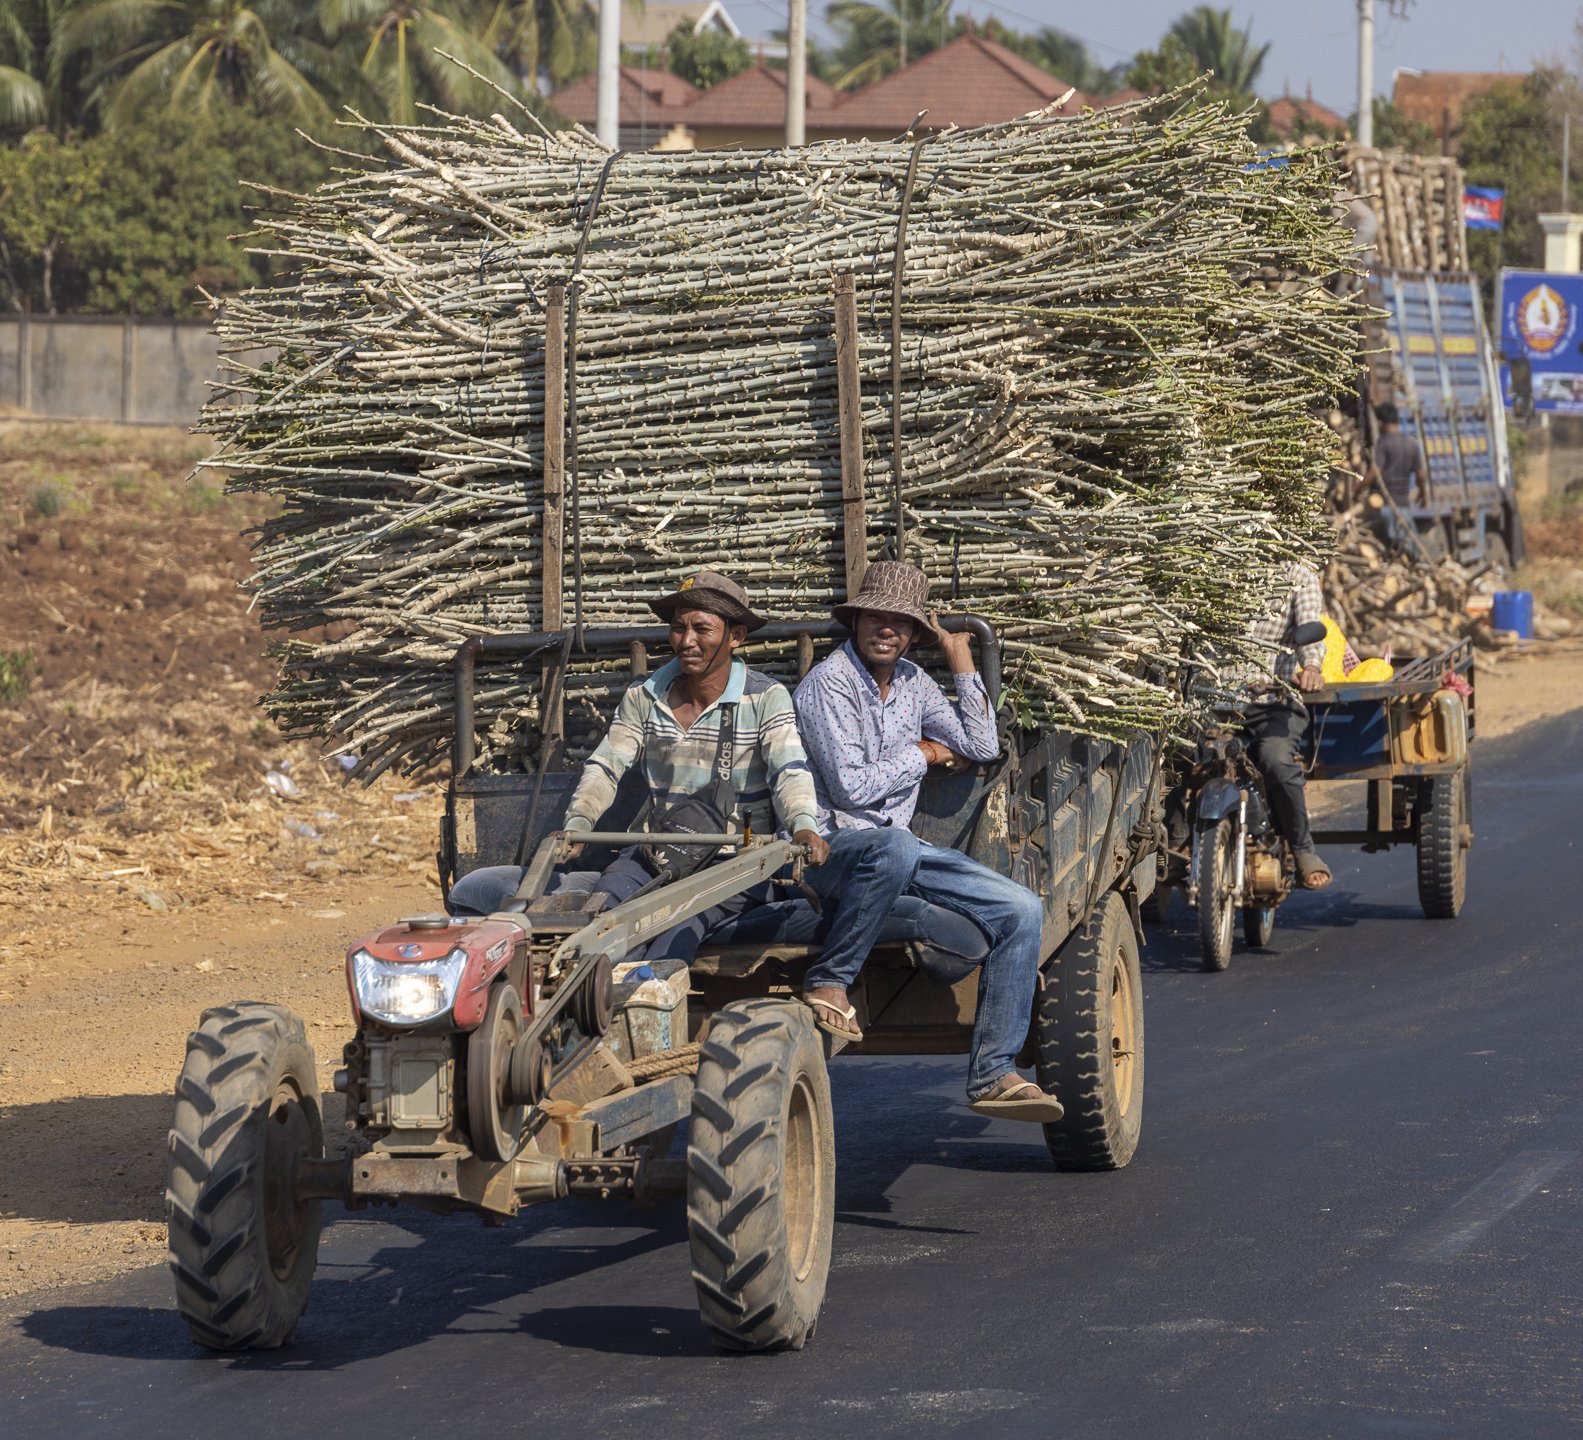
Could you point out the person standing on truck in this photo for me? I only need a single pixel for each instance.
(1275, 719)
(1398, 468)
(873, 724)
(672, 725)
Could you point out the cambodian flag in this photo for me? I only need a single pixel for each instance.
(1481, 208)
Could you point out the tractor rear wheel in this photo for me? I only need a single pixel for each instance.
(761, 1177)
(1088, 1022)
(243, 1246)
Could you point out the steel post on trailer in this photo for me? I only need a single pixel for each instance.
(552, 579)
(849, 405)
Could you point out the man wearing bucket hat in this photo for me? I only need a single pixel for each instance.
(701, 717)
(873, 724)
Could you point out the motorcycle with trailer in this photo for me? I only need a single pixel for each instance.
(504, 1062)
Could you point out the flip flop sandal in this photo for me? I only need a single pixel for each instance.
(1314, 874)
(846, 1013)
(1021, 1101)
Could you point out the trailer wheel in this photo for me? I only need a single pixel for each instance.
(1217, 866)
(243, 1247)
(1444, 816)
(1258, 924)
(761, 1177)
(1089, 1035)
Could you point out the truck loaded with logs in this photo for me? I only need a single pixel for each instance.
(518, 382)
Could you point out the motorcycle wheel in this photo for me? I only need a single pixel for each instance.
(1258, 924)
(1217, 868)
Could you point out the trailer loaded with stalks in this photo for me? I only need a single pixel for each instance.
(518, 381)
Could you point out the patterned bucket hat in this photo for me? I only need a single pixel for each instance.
(711, 591)
(894, 587)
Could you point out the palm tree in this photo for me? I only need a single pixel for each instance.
(1068, 59)
(400, 40)
(32, 92)
(1216, 45)
(557, 39)
(194, 55)
(878, 38)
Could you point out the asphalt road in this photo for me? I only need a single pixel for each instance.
(1356, 1211)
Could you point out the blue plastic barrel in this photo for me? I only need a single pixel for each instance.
(1514, 610)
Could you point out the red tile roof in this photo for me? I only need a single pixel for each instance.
(1293, 117)
(971, 81)
(1437, 98)
(757, 97)
(651, 97)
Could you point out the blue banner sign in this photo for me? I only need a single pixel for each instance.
(1542, 328)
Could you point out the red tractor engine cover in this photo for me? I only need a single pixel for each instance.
(488, 945)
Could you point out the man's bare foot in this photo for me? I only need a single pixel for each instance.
(833, 1012)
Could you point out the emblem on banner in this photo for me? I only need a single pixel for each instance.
(1544, 319)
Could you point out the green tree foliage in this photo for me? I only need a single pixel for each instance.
(1068, 59)
(555, 39)
(138, 220)
(45, 183)
(1216, 44)
(1511, 139)
(1172, 65)
(22, 61)
(705, 59)
(197, 56)
(875, 39)
(1394, 131)
(402, 59)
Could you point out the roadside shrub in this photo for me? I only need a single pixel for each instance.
(18, 670)
(46, 501)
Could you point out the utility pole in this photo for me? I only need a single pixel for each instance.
(1366, 72)
(796, 72)
(608, 124)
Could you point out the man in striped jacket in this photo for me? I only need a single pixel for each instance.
(670, 726)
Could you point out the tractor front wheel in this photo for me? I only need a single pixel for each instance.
(243, 1245)
(761, 1177)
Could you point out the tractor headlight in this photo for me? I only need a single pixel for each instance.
(408, 992)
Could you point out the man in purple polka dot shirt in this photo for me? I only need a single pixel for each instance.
(873, 723)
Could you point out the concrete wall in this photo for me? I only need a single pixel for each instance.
(89, 367)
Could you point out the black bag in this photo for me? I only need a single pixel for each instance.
(708, 812)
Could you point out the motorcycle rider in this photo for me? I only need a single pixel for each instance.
(1274, 721)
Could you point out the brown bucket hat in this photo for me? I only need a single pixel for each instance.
(709, 590)
(895, 587)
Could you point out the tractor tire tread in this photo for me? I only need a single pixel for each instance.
(748, 1298)
(226, 1288)
(1072, 1041)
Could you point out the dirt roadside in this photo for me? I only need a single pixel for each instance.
(150, 866)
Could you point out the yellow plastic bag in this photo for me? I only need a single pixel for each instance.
(1371, 672)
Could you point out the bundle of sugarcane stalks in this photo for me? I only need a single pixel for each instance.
(524, 384)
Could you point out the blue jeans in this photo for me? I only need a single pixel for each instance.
(863, 879)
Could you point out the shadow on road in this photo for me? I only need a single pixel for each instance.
(88, 1159)
(400, 1296)
(1173, 946)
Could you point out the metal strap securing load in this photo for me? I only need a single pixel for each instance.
(574, 286)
